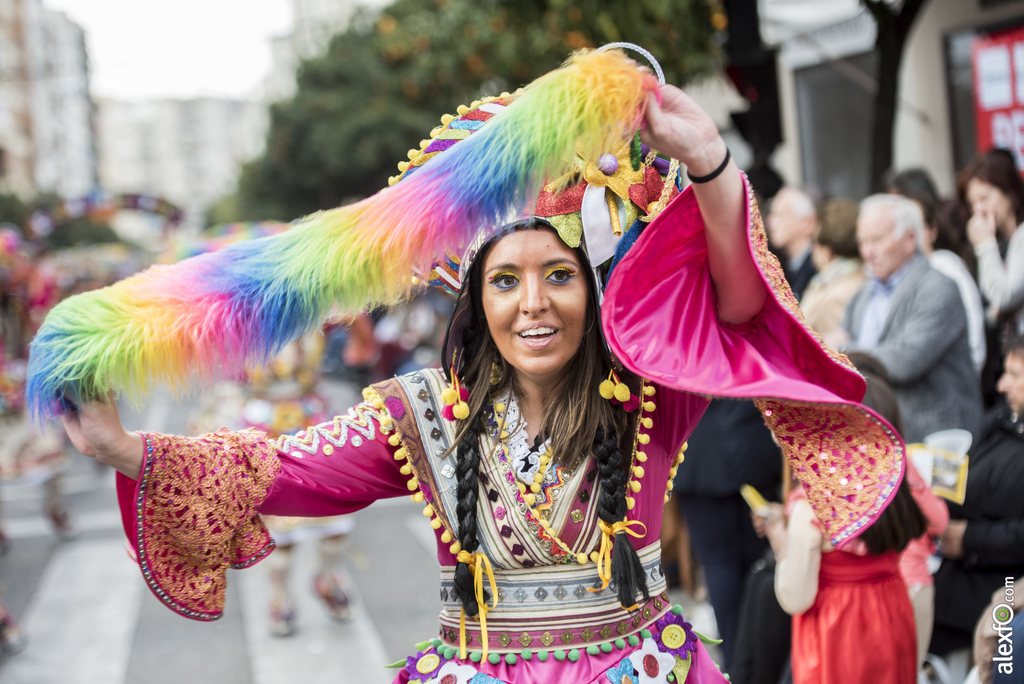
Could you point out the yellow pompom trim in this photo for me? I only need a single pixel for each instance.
(418, 497)
(649, 390)
(622, 392)
(449, 396)
(606, 389)
(446, 536)
(461, 410)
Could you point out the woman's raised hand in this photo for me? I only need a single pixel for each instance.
(981, 227)
(679, 128)
(95, 429)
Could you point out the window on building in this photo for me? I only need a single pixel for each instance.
(835, 105)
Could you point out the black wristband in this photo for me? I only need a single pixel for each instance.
(714, 174)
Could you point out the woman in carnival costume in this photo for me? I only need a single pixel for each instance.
(586, 341)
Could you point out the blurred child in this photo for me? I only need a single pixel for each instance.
(853, 621)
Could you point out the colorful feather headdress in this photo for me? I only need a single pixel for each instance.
(217, 312)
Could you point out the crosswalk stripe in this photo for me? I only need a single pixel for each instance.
(81, 620)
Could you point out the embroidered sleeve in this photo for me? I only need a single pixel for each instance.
(192, 515)
(340, 466)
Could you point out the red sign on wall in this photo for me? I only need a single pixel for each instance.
(999, 92)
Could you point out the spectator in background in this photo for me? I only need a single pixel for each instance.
(791, 224)
(730, 447)
(984, 543)
(939, 246)
(840, 270)
(910, 317)
(991, 186)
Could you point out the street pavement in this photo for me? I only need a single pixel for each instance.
(90, 618)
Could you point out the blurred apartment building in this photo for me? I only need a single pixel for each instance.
(46, 114)
(188, 152)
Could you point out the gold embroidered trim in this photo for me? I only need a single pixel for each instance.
(196, 515)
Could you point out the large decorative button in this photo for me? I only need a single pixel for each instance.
(428, 663)
(448, 470)
(673, 636)
(423, 395)
(576, 516)
(435, 434)
(429, 414)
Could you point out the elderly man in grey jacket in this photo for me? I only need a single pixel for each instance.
(911, 318)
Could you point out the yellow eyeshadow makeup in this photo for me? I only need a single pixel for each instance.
(497, 275)
(568, 270)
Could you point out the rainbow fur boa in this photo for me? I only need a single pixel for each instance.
(215, 313)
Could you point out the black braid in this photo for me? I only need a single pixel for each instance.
(467, 475)
(627, 571)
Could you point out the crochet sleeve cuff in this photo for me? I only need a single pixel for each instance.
(192, 515)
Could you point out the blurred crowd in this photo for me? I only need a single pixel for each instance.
(925, 294)
(32, 281)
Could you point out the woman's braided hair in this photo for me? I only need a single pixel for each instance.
(605, 422)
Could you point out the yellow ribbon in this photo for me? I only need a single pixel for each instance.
(604, 554)
(478, 564)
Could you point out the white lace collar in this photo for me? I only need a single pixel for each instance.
(525, 462)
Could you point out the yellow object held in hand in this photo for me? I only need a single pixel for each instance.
(754, 499)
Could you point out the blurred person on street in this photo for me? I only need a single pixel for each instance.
(853, 621)
(541, 450)
(730, 447)
(840, 271)
(911, 318)
(940, 247)
(984, 542)
(791, 225)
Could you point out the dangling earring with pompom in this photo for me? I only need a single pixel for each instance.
(618, 392)
(455, 398)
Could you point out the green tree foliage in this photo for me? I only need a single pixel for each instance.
(13, 210)
(385, 82)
